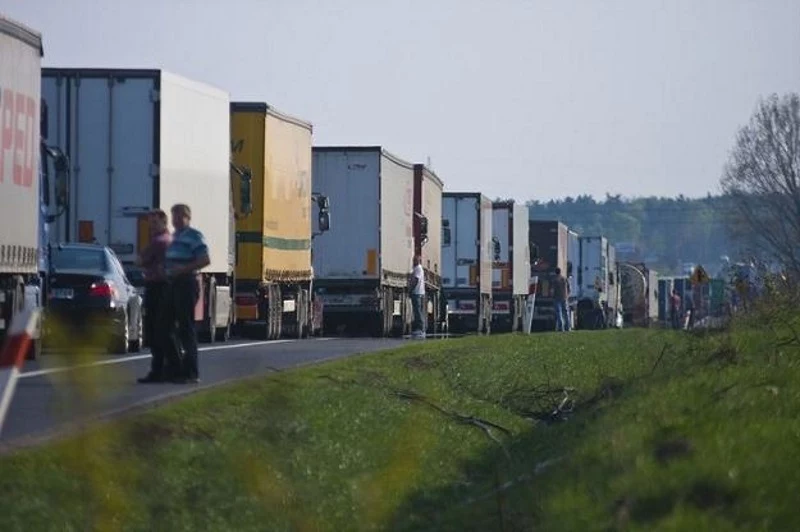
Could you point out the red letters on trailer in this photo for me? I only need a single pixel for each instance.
(18, 145)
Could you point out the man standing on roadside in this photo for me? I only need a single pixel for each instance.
(560, 296)
(152, 260)
(417, 285)
(186, 255)
(675, 309)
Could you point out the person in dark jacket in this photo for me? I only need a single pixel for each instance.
(186, 256)
(152, 260)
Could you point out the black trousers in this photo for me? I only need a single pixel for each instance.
(164, 361)
(183, 295)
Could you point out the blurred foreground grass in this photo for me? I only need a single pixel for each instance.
(631, 429)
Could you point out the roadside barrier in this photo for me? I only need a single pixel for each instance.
(12, 356)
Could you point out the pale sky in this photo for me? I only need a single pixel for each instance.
(513, 98)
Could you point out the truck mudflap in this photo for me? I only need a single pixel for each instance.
(317, 314)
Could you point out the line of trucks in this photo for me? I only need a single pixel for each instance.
(86, 153)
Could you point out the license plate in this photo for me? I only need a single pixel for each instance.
(63, 293)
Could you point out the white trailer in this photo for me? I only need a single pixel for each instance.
(467, 252)
(362, 265)
(511, 267)
(144, 139)
(428, 240)
(598, 285)
(25, 187)
(20, 63)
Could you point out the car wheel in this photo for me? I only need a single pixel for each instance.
(134, 346)
(120, 343)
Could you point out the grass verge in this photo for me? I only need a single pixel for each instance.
(636, 429)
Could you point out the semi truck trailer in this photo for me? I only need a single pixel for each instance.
(428, 240)
(362, 265)
(598, 304)
(639, 294)
(467, 252)
(274, 279)
(139, 140)
(29, 199)
(549, 241)
(511, 264)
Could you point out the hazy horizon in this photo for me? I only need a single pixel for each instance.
(530, 100)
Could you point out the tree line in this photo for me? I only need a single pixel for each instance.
(755, 220)
(666, 232)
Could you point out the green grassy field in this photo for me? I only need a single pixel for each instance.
(635, 430)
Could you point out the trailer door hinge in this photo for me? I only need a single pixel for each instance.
(155, 95)
(154, 170)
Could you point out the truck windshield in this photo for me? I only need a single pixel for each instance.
(79, 259)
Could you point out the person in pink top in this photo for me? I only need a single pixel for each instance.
(152, 260)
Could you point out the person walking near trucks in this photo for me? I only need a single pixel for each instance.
(417, 295)
(186, 255)
(675, 309)
(560, 291)
(152, 260)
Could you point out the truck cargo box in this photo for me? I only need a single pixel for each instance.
(467, 242)
(373, 193)
(467, 253)
(20, 84)
(137, 140)
(573, 263)
(274, 241)
(511, 268)
(548, 246)
(428, 207)
(594, 269)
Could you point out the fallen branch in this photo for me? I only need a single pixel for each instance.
(527, 477)
(660, 356)
(482, 424)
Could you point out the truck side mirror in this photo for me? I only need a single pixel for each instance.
(324, 221)
(43, 122)
(245, 193)
(61, 164)
(496, 248)
(324, 203)
(423, 230)
(569, 268)
(446, 236)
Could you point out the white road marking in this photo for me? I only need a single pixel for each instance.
(120, 360)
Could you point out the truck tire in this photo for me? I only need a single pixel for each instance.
(300, 312)
(210, 321)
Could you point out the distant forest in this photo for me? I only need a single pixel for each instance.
(667, 232)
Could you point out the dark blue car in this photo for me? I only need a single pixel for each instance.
(89, 295)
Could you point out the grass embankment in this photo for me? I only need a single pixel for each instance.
(656, 430)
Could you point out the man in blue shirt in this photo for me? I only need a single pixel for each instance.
(185, 256)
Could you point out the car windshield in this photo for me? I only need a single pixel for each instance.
(82, 259)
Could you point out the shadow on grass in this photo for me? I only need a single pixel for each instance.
(565, 471)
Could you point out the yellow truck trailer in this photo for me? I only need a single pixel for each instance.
(274, 277)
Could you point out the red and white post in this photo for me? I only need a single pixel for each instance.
(12, 356)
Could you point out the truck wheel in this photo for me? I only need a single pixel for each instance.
(279, 332)
(300, 314)
(271, 312)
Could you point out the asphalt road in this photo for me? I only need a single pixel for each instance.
(55, 397)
